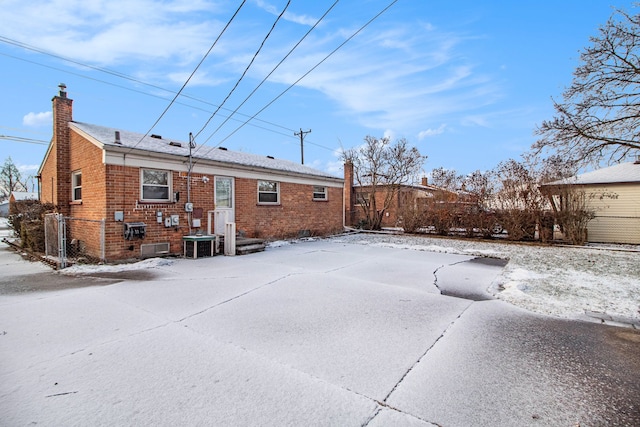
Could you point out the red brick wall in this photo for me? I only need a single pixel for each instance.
(297, 211)
(62, 115)
(123, 194)
(85, 225)
(390, 220)
(55, 186)
(107, 189)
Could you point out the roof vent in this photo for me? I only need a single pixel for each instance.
(270, 157)
(117, 140)
(153, 135)
(222, 148)
(175, 144)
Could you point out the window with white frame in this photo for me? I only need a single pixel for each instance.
(319, 192)
(268, 192)
(155, 185)
(76, 186)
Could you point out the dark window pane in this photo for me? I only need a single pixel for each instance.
(150, 192)
(268, 197)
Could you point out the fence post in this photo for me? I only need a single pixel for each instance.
(230, 238)
(102, 240)
(62, 241)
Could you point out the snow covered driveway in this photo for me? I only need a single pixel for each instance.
(316, 333)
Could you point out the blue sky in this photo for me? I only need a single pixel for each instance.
(464, 81)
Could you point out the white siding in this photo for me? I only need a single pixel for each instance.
(617, 210)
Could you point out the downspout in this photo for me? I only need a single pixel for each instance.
(189, 214)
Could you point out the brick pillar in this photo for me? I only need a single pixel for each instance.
(348, 194)
(62, 115)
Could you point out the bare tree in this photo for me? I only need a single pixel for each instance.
(599, 118)
(10, 179)
(380, 169)
(446, 178)
(518, 199)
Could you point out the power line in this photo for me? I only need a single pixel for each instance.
(145, 93)
(24, 140)
(308, 72)
(143, 83)
(118, 74)
(192, 74)
(272, 71)
(244, 73)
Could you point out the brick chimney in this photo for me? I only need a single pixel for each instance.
(425, 181)
(348, 194)
(62, 115)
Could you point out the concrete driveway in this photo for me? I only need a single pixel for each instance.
(315, 333)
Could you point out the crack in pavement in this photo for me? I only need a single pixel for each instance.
(237, 296)
(435, 278)
(395, 387)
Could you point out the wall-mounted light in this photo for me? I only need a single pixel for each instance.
(205, 179)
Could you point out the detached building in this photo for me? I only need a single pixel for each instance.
(18, 197)
(613, 194)
(139, 195)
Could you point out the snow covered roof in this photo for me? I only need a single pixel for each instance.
(24, 195)
(107, 137)
(623, 172)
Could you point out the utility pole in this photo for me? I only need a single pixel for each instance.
(301, 134)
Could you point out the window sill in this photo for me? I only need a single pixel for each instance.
(75, 202)
(268, 204)
(320, 200)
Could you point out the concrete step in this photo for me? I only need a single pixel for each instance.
(245, 245)
(250, 249)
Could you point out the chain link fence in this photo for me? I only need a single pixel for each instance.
(69, 240)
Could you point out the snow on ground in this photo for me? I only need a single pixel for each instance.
(560, 281)
(555, 280)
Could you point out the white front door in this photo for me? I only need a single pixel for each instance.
(224, 210)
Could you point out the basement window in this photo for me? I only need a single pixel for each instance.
(76, 186)
(319, 193)
(155, 185)
(268, 192)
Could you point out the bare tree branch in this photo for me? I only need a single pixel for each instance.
(599, 117)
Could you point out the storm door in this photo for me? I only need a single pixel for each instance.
(224, 208)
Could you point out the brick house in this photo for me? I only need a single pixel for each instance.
(420, 197)
(133, 191)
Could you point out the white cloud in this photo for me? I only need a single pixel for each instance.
(395, 78)
(432, 132)
(108, 32)
(288, 16)
(37, 119)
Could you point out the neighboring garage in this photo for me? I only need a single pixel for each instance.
(613, 194)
